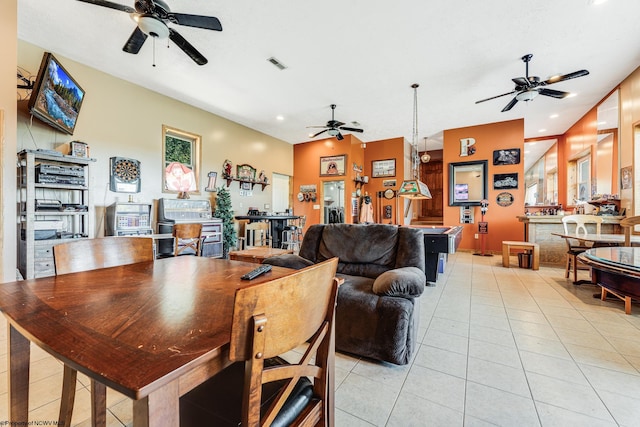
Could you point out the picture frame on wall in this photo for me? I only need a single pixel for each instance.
(510, 156)
(333, 165)
(505, 181)
(383, 168)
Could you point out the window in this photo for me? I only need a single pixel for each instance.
(180, 161)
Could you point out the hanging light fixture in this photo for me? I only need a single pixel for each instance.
(425, 157)
(414, 188)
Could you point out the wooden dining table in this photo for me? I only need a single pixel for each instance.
(152, 331)
(600, 239)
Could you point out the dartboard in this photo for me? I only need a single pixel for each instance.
(127, 170)
(125, 175)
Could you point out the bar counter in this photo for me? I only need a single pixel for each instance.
(553, 249)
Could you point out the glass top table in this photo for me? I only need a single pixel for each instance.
(623, 259)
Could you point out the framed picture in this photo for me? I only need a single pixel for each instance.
(333, 165)
(626, 178)
(383, 168)
(211, 183)
(389, 183)
(245, 172)
(505, 181)
(510, 156)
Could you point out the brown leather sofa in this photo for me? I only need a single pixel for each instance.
(383, 267)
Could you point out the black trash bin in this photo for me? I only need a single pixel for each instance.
(525, 259)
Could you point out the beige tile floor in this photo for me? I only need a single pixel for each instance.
(499, 347)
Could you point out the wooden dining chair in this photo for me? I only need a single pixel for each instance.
(628, 224)
(575, 246)
(187, 239)
(256, 234)
(260, 388)
(92, 254)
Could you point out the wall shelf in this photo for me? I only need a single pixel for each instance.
(240, 181)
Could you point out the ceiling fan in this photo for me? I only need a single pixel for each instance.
(528, 87)
(152, 17)
(333, 127)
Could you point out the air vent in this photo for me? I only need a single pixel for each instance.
(354, 123)
(277, 63)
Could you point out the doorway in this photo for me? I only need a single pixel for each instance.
(281, 200)
(431, 174)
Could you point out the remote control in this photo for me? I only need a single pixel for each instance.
(256, 272)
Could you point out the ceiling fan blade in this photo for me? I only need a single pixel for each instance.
(187, 48)
(319, 133)
(521, 81)
(135, 42)
(339, 136)
(310, 127)
(334, 124)
(575, 74)
(553, 93)
(110, 5)
(510, 105)
(197, 21)
(145, 6)
(351, 129)
(497, 96)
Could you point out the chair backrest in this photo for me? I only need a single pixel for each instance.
(274, 317)
(187, 236)
(91, 254)
(581, 221)
(257, 234)
(628, 224)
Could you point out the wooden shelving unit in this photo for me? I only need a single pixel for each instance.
(240, 181)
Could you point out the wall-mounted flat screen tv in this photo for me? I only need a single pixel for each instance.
(56, 97)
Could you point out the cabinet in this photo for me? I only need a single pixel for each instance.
(53, 207)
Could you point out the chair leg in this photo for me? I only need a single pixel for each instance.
(69, 378)
(575, 268)
(567, 267)
(98, 404)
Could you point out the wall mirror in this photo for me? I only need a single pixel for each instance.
(468, 183)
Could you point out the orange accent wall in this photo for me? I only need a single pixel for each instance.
(306, 171)
(503, 222)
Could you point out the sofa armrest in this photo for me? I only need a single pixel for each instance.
(288, 261)
(407, 282)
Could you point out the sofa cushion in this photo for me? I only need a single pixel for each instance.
(406, 282)
(364, 250)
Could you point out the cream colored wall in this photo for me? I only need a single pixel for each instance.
(8, 35)
(122, 119)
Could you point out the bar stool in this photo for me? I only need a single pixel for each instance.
(292, 234)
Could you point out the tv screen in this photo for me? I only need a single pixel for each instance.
(462, 192)
(56, 98)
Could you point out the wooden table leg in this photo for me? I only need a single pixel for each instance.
(18, 376)
(159, 408)
(98, 404)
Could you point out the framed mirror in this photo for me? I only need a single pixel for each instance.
(468, 183)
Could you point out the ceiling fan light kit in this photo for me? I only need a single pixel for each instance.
(152, 18)
(333, 127)
(529, 87)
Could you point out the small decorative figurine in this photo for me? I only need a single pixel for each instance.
(263, 177)
(226, 166)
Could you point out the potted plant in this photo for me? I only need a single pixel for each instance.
(225, 213)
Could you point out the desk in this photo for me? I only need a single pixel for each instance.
(277, 224)
(616, 270)
(152, 331)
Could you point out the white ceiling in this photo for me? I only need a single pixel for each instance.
(362, 55)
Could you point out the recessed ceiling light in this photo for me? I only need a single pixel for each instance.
(280, 117)
(596, 2)
(572, 95)
(542, 130)
(554, 116)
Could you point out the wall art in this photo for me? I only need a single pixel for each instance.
(510, 156)
(505, 181)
